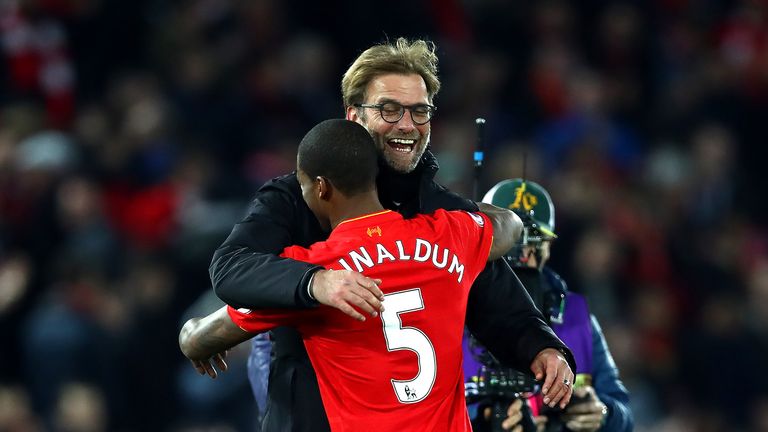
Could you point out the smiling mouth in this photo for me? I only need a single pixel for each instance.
(402, 145)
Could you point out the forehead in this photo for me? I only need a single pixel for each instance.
(406, 89)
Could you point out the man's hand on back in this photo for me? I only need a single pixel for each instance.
(344, 289)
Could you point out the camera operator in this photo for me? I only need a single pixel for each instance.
(600, 400)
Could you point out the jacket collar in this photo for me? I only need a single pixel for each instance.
(428, 164)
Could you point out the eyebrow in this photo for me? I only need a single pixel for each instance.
(386, 100)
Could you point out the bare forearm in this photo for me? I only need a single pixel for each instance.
(507, 228)
(201, 338)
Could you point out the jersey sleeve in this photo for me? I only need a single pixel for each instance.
(297, 253)
(472, 232)
(258, 321)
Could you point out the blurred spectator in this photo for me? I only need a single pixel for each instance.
(35, 50)
(586, 134)
(80, 408)
(132, 135)
(16, 414)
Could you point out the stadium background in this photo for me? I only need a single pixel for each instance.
(133, 133)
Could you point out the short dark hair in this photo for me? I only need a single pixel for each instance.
(343, 152)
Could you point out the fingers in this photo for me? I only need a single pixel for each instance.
(349, 310)
(198, 367)
(219, 360)
(515, 407)
(584, 423)
(558, 379)
(514, 416)
(540, 421)
(583, 392)
(550, 373)
(350, 292)
(568, 390)
(586, 416)
(487, 413)
(366, 301)
(205, 367)
(371, 285)
(590, 407)
(560, 393)
(538, 372)
(368, 291)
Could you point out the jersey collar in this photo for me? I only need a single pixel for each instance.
(366, 220)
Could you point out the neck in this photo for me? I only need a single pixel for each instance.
(352, 207)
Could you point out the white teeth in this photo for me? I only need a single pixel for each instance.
(402, 145)
(403, 141)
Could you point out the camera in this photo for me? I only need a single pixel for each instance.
(497, 387)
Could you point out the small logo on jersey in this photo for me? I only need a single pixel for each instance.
(374, 230)
(478, 219)
(244, 311)
(410, 394)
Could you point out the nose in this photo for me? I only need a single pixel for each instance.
(406, 124)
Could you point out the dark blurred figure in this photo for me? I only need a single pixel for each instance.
(36, 59)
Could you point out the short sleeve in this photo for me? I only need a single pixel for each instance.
(470, 233)
(262, 320)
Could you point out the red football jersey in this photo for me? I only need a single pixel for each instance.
(400, 371)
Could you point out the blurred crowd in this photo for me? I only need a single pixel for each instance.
(132, 135)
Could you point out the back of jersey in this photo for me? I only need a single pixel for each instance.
(402, 370)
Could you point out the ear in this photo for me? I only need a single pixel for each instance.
(352, 114)
(324, 188)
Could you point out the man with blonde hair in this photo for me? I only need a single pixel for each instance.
(386, 82)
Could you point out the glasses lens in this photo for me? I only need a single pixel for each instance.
(392, 112)
(421, 114)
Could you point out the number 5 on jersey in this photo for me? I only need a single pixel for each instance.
(409, 338)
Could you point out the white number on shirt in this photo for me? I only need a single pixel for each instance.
(400, 338)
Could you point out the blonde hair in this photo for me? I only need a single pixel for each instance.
(403, 57)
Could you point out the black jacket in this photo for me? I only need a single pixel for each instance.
(246, 272)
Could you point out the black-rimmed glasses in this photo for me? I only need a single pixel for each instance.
(392, 112)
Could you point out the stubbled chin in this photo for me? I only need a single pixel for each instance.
(400, 162)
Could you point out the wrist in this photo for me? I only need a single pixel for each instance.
(552, 351)
(605, 412)
(305, 295)
(310, 287)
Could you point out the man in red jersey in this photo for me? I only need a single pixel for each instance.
(402, 371)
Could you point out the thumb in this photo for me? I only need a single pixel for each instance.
(538, 369)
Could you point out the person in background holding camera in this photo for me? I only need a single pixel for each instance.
(600, 401)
